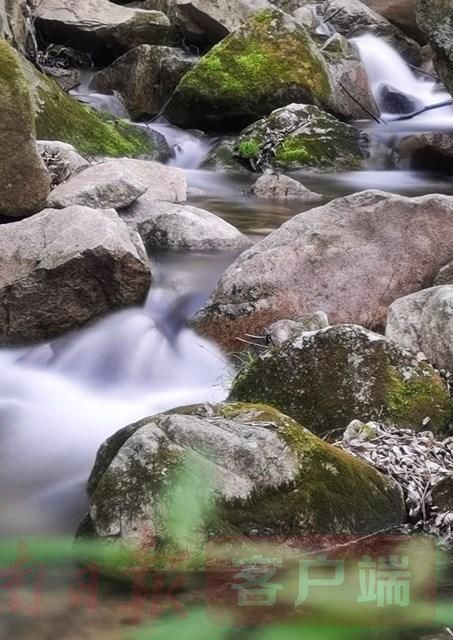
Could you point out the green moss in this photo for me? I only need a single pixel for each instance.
(334, 492)
(14, 89)
(249, 148)
(59, 117)
(302, 136)
(411, 401)
(339, 375)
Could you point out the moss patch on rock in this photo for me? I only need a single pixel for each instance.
(60, 117)
(329, 378)
(333, 493)
(250, 73)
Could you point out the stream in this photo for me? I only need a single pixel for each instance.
(59, 401)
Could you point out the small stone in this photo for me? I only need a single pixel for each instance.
(280, 187)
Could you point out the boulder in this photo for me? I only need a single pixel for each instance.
(63, 268)
(229, 469)
(162, 182)
(301, 136)
(435, 19)
(393, 101)
(279, 187)
(325, 379)
(427, 152)
(250, 73)
(423, 322)
(24, 180)
(399, 12)
(100, 27)
(145, 77)
(164, 225)
(350, 258)
(100, 186)
(217, 18)
(352, 97)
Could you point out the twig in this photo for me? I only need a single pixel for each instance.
(252, 344)
(333, 15)
(425, 73)
(439, 105)
(375, 118)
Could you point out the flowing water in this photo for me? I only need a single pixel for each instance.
(59, 401)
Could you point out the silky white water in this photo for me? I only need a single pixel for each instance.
(385, 66)
(59, 402)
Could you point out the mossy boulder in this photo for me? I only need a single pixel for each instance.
(302, 136)
(325, 379)
(269, 62)
(92, 133)
(240, 470)
(24, 180)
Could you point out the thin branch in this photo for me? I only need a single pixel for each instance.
(439, 105)
(362, 106)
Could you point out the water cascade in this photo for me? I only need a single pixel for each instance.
(60, 401)
(388, 71)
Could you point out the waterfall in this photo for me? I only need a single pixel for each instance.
(386, 68)
(59, 401)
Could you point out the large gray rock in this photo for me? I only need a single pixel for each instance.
(324, 379)
(435, 19)
(145, 77)
(161, 182)
(423, 322)
(63, 268)
(350, 258)
(352, 97)
(217, 18)
(24, 180)
(164, 225)
(100, 186)
(244, 469)
(301, 136)
(399, 12)
(101, 27)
